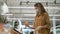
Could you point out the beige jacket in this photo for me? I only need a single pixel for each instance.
(41, 21)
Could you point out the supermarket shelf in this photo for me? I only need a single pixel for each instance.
(33, 7)
(7, 14)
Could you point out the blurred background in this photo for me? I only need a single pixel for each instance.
(24, 10)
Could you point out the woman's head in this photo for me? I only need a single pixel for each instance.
(39, 9)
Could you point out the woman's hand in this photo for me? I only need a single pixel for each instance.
(38, 28)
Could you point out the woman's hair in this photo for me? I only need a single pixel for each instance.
(42, 9)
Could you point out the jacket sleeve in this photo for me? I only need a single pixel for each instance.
(47, 21)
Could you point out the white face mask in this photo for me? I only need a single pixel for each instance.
(36, 9)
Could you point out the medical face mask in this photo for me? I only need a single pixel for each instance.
(36, 9)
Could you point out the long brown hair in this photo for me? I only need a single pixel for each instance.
(42, 9)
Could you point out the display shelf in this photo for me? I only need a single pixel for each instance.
(33, 7)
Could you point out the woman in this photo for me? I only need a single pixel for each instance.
(42, 22)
